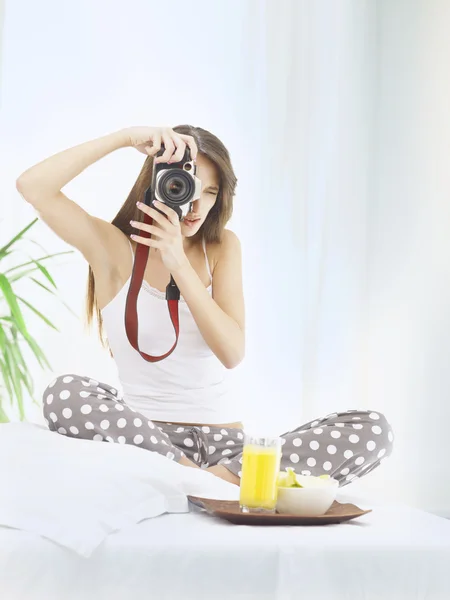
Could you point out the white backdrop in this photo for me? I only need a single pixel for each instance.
(409, 248)
(309, 100)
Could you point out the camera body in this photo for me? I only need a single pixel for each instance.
(175, 184)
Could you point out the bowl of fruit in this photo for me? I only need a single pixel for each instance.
(305, 495)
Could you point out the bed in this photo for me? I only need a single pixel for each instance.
(394, 553)
(173, 550)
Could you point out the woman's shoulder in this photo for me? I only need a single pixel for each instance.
(228, 248)
(229, 240)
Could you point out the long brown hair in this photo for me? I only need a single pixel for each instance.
(212, 229)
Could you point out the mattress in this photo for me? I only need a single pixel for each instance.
(394, 553)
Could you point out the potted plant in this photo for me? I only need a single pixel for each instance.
(15, 338)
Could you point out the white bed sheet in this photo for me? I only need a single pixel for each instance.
(395, 553)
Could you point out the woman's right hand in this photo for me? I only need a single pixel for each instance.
(148, 140)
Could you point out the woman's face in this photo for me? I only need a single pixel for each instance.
(207, 173)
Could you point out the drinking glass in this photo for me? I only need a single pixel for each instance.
(260, 468)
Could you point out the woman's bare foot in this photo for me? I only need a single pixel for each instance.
(224, 473)
(188, 463)
(218, 470)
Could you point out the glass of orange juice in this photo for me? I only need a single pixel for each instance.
(260, 468)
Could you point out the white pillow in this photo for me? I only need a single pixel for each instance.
(76, 492)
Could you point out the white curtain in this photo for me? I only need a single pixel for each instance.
(2, 16)
(409, 248)
(313, 66)
(302, 94)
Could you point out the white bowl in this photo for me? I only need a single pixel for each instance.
(307, 501)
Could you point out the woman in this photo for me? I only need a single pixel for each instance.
(181, 406)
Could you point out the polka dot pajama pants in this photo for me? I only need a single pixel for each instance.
(344, 445)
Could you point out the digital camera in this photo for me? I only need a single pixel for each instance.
(175, 184)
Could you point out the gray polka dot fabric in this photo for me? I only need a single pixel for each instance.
(343, 445)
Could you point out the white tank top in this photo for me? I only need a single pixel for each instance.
(189, 386)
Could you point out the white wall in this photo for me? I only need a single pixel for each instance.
(409, 248)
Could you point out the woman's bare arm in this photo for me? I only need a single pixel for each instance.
(220, 318)
(41, 186)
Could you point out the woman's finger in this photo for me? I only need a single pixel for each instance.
(155, 215)
(191, 143)
(169, 148)
(157, 231)
(171, 214)
(180, 149)
(156, 144)
(145, 241)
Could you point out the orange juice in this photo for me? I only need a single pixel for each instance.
(260, 468)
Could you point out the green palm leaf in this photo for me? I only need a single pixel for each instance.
(10, 297)
(15, 374)
(17, 237)
(26, 377)
(37, 260)
(36, 312)
(15, 379)
(53, 292)
(45, 272)
(4, 364)
(36, 349)
(3, 416)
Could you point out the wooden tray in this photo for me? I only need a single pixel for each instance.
(230, 511)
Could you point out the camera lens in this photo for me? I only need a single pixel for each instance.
(176, 187)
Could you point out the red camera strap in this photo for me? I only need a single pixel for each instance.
(131, 316)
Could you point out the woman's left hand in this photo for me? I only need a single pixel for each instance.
(166, 235)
